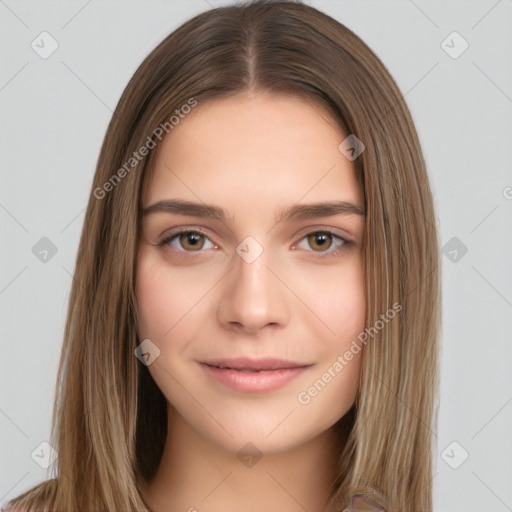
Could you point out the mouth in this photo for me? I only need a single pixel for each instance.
(254, 375)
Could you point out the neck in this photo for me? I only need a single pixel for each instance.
(197, 475)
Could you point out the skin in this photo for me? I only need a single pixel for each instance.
(251, 154)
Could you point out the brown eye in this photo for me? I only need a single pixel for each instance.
(187, 240)
(320, 241)
(191, 241)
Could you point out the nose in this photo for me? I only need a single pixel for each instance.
(252, 298)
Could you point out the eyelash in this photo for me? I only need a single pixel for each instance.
(164, 243)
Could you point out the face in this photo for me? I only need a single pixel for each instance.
(249, 272)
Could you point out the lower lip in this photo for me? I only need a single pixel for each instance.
(253, 382)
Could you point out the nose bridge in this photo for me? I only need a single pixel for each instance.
(252, 297)
(252, 279)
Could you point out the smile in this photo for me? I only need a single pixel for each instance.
(252, 375)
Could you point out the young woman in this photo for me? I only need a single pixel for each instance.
(254, 318)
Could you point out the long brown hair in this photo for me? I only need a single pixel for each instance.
(109, 421)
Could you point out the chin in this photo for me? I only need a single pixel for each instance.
(267, 430)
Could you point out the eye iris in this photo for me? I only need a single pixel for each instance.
(192, 241)
(320, 241)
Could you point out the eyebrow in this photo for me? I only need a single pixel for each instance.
(294, 212)
(322, 209)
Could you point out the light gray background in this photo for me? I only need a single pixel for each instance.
(54, 115)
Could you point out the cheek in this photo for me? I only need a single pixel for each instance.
(171, 303)
(152, 303)
(335, 302)
(338, 301)
(159, 307)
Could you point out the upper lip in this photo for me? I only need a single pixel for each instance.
(245, 363)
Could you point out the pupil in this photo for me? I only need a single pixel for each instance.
(320, 240)
(192, 240)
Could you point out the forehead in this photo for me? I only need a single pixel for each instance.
(254, 149)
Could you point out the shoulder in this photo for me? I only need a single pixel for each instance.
(39, 498)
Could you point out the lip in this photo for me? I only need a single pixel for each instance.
(254, 375)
